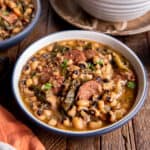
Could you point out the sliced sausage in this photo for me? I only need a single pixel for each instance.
(88, 89)
(44, 78)
(11, 18)
(89, 54)
(75, 55)
(57, 82)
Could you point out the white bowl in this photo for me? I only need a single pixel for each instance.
(86, 35)
(118, 8)
(115, 11)
(122, 1)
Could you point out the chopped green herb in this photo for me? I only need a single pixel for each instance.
(64, 64)
(131, 84)
(100, 62)
(91, 66)
(47, 86)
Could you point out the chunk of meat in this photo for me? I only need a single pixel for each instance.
(75, 55)
(128, 75)
(57, 82)
(44, 78)
(88, 89)
(11, 18)
(89, 54)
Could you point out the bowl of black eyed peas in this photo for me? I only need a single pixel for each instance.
(79, 83)
(17, 19)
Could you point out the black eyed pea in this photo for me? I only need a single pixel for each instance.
(29, 82)
(28, 92)
(47, 113)
(16, 30)
(27, 70)
(97, 112)
(50, 48)
(112, 117)
(34, 65)
(72, 111)
(79, 108)
(114, 103)
(95, 124)
(67, 122)
(84, 103)
(52, 122)
(41, 116)
(85, 116)
(78, 123)
(101, 106)
(28, 12)
(120, 113)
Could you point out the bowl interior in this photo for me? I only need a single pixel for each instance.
(98, 37)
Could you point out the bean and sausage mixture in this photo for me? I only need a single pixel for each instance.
(15, 15)
(78, 85)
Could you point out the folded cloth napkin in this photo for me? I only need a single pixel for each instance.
(16, 134)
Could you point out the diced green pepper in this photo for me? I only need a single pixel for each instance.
(131, 84)
(47, 86)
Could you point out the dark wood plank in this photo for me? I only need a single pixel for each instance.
(113, 140)
(141, 122)
(86, 143)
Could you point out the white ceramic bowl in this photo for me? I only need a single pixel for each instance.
(116, 10)
(122, 1)
(87, 35)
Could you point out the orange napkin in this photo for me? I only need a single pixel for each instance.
(16, 134)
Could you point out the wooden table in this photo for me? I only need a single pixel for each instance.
(133, 136)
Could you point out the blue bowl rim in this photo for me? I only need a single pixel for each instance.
(111, 127)
(27, 29)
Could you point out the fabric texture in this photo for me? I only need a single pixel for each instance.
(17, 134)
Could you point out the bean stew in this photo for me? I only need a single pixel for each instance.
(15, 15)
(78, 85)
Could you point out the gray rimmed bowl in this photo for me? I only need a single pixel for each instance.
(20, 36)
(87, 35)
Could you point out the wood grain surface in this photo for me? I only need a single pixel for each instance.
(135, 135)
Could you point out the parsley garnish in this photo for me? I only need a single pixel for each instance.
(47, 86)
(64, 66)
(131, 84)
(91, 66)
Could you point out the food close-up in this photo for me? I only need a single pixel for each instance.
(78, 85)
(74, 75)
(14, 17)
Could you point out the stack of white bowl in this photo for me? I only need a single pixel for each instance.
(115, 10)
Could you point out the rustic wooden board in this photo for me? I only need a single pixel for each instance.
(133, 136)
